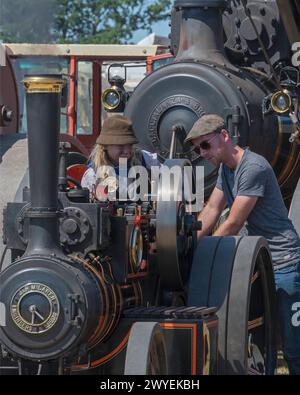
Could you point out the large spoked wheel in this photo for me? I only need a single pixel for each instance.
(235, 274)
(146, 350)
(251, 327)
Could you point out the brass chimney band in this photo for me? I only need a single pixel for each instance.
(43, 84)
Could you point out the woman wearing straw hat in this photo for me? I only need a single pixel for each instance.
(115, 143)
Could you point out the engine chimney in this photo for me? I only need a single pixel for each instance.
(43, 100)
(201, 30)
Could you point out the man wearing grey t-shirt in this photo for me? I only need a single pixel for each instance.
(247, 184)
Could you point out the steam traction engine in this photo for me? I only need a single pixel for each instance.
(77, 298)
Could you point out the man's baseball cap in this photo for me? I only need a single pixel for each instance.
(207, 124)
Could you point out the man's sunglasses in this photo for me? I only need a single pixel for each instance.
(204, 145)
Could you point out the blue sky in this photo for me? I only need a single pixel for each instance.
(161, 28)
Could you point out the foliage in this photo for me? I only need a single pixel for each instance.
(78, 21)
(26, 21)
(106, 21)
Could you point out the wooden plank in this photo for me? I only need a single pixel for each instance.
(84, 50)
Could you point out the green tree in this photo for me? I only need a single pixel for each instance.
(27, 21)
(106, 21)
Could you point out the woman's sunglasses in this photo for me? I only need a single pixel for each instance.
(204, 145)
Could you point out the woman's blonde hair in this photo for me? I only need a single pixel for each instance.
(101, 162)
(99, 156)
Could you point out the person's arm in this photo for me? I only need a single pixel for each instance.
(88, 179)
(240, 210)
(211, 212)
(251, 186)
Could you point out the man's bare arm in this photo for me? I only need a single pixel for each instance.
(240, 210)
(211, 212)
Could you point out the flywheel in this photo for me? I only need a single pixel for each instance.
(235, 275)
(174, 224)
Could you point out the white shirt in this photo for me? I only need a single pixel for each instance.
(90, 177)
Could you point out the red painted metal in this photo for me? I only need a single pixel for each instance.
(76, 172)
(9, 97)
(76, 145)
(72, 97)
(152, 59)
